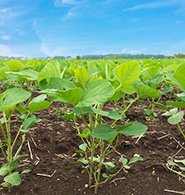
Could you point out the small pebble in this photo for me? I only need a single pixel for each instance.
(86, 186)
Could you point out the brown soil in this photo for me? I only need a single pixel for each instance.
(54, 171)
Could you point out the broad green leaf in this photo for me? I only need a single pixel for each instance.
(145, 91)
(85, 133)
(176, 104)
(71, 96)
(127, 73)
(81, 75)
(175, 119)
(14, 179)
(181, 96)
(82, 110)
(27, 74)
(179, 76)
(83, 161)
(104, 132)
(135, 159)
(4, 170)
(97, 92)
(15, 65)
(109, 165)
(111, 114)
(57, 83)
(3, 70)
(38, 103)
(27, 123)
(83, 147)
(133, 129)
(123, 160)
(50, 70)
(170, 112)
(13, 96)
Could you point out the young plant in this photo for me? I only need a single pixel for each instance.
(99, 138)
(16, 99)
(177, 166)
(175, 117)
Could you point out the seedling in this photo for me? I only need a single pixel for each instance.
(16, 99)
(175, 117)
(177, 166)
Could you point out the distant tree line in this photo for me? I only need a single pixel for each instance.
(179, 55)
(123, 56)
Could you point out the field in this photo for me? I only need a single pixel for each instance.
(92, 126)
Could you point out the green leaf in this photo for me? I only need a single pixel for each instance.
(52, 69)
(83, 161)
(14, 179)
(4, 170)
(104, 132)
(27, 74)
(12, 97)
(109, 165)
(97, 92)
(15, 65)
(81, 75)
(145, 91)
(82, 110)
(135, 159)
(127, 73)
(111, 114)
(5, 185)
(27, 123)
(170, 112)
(72, 96)
(57, 83)
(85, 133)
(123, 160)
(181, 96)
(175, 119)
(83, 147)
(133, 129)
(38, 103)
(179, 76)
(180, 161)
(25, 171)
(176, 104)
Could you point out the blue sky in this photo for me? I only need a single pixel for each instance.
(38, 28)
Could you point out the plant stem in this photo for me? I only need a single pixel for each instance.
(3, 132)
(181, 131)
(99, 166)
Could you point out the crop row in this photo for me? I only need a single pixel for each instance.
(30, 86)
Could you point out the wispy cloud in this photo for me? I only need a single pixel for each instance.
(67, 2)
(8, 51)
(156, 4)
(6, 37)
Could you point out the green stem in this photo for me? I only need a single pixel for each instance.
(3, 132)
(181, 131)
(20, 147)
(125, 110)
(9, 148)
(99, 166)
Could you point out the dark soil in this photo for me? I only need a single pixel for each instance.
(52, 156)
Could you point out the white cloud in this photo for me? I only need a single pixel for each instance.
(70, 14)
(52, 51)
(7, 51)
(66, 2)
(156, 4)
